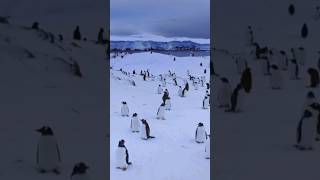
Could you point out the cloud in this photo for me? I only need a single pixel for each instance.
(186, 18)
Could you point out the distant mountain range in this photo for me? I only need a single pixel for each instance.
(147, 45)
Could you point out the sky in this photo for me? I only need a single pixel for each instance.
(168, 18)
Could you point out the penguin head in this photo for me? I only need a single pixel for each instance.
(124, 102)
(301, 48)
(45, 131)
(121, 143)
(310, 94)
(135, 115)
(79, 168)
(200, 124)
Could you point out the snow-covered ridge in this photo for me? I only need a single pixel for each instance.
(145, 45)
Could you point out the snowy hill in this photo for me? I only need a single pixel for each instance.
(257, 143)
(41, 87)
(173, 154)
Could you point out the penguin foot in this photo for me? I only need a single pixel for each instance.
(207, 158)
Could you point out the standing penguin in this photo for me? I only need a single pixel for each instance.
(276, 77)
(205, 102)
(48, 153)
(122, 156)
(283, 60)
(159, 90)
(246, 80)
(224, 93)
(135, 124)
(168, 104)
(291, 9)
(314, 78)
(304, 31)
(307, 127)
(160, 112)
(180, 91)
(79, 172)
(165, 96)
(100, 38)
(124, 109)
(293, 69)
(201, 134)
(236, 99)
(145, 130)
(207, 148)
(77, 34)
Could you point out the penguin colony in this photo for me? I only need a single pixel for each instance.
(278, 66)
(141, 126)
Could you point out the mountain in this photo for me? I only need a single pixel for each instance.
(145, 45)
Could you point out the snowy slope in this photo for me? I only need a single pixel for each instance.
(257, 143)
(42, 90)
(173, 154)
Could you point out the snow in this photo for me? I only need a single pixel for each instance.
(43, 91)
(173, 154)
(257, 143)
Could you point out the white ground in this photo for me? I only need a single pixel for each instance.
(173, 154)
(257, 143)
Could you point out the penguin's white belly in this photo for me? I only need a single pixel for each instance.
(121, 157)
(124, 111)
(308, 131)
(80, 177)
(207, 148)
(135, 124)
(143, 132)
(48, 153)
(201, 134)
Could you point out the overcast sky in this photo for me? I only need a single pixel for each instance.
(169, 18)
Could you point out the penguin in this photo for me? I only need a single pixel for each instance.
(180, 92)
(145, 130)
(165, 96)
(207, 148)
(224, 93)
(168, 104)
(122, 156)
(246, 80)
(160, 112)
(307, 128)
(291, 9)
(48, 153)
(80, 172)
(77, 34)
(276, 77)
(200, 64)
(283, 60)
(294, 69)
(144, 76)
(314, 78)
(133, 72)
(135, 124)
(310, 98)
(201, 134)
(304, 31)
(249, 36)
(186, 86)
(300, 55)
(236, 99)
(208, 85)
(205, 71)
(159, 90)
(184, 92)
(265, 64)
(124, 109)
(205, 102)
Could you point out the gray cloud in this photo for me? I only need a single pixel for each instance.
(188, 18)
